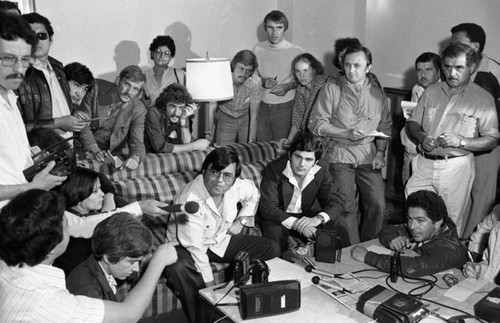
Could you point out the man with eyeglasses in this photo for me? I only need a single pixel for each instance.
(169, 122)
(44, 95)
(237, 118)
(213, 233)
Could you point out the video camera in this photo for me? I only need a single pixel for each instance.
(65, 165)
(243, 269)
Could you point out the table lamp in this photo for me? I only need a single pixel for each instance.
(209, 80)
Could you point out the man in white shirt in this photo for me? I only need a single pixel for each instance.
(33, 233)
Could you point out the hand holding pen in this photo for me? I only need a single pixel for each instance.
(471, 269)
(402, 243)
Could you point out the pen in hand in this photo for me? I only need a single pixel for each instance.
(476, 267)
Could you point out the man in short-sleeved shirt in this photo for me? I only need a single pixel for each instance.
(452, 120)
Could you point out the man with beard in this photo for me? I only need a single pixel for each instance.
(429, 231)
(169, 122)
(452, 120)
(237, 118)
(119, 118)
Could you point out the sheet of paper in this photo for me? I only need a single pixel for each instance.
(465, 288)
(375, 133)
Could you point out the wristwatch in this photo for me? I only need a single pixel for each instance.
(321, 218)
(462, 142)
(243, 221)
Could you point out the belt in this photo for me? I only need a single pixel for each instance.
(437, 157)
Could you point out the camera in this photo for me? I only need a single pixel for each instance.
(65, 165)
(260, 272)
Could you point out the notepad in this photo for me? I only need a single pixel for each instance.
(465, 288)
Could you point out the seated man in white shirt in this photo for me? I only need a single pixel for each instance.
(213, 233)
(34, 232)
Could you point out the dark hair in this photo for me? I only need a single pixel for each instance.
(160, 41)
(78, 186)
(245, 57)
(33, 18)
(432, 204)
(307, 142)
(457, 49)
(356, 49)
(13, 28)
(316, 65)
(277, 17)
(340, 45)
(31, 226)
(220, 158)
(434, 59)
(176, 93)
(6, 6)
(132, 73)
(119, 236)
(79, 73)
(474, 32)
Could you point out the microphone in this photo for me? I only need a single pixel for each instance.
(316, 280)
(190, 207)
(395, 266)
(311, 269)
(301, 254)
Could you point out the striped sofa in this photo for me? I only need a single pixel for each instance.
(159, 177)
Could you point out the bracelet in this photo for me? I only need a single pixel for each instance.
(138, 157)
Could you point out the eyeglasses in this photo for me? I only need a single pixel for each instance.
(227, 177)
(42, 36)
(9, 61)
(241, 69)
(160, 53)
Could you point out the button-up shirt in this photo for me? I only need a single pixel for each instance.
(248, 92)
(39, 294)
(207, 228)
(341, 107)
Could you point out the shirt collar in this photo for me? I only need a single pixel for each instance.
(288, 173)
(111, 280)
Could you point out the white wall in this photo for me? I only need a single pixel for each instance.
(397, 31)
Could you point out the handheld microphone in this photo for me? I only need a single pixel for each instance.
(190, 207)
(316, 280)
(311, 269)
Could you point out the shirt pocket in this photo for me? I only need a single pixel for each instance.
(467, 126)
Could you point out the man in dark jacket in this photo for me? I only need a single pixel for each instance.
(44, 97)
(429, 231)
(299, 195)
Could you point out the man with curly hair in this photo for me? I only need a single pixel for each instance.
(169, 122)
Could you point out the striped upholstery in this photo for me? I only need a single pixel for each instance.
(160, 177)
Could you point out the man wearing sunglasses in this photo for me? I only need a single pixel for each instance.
(213, 234)
(44, 96)
(169, 122)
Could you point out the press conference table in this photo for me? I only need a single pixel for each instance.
(316, 306)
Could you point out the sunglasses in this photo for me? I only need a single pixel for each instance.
(42, 36)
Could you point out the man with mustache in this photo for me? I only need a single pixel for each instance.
(452, 120)
(352, 114)
(17, 42)
(121, 116)
(169, 122)
(487, 163)
(428, 231)
(428, 67)
(237, 118)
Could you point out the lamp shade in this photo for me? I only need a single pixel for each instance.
(209, 79)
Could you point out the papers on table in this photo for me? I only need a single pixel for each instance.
(465, 288)
(280, 269)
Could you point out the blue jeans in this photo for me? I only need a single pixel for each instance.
(368, 182)
(229, 128)
(274, 121)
